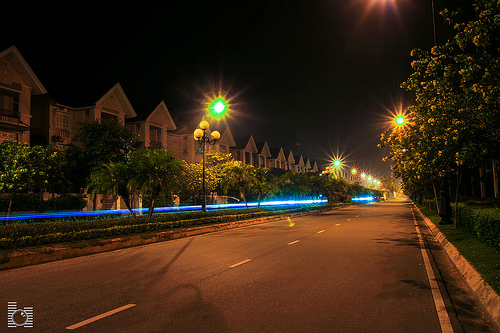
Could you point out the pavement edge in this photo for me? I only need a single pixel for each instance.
(482, 291)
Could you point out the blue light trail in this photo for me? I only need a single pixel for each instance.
(158, 210)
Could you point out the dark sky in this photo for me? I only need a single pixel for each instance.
(314, 76)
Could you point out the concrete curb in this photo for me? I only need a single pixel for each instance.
(34, 256)
(482, 291)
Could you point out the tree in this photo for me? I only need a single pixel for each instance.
(264, 184)
(24, 168)
(192, 173)
(157, 173)
(97, 143)
(455, 115)
(240, 175)
(116, 179)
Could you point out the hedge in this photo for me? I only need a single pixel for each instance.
(43, 233)
(483, 222)
(33, 203)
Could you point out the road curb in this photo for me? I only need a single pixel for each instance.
(34, 256)
(482, 291)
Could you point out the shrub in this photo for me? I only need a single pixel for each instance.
(33, 203)
(483, 222)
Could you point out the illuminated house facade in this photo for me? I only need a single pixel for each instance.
(57, 124)
(153, 128)
(18, 84)
(29, 114)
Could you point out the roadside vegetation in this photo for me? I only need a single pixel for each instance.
(484, 256)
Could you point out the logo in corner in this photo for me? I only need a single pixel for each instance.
(19, 317)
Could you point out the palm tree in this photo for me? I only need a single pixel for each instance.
(157, 172)
(241, 175)
(264, 183)
(113, 178)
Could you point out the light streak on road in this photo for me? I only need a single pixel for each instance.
(158, 210)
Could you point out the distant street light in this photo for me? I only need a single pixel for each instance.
(337, 164)
(201, 135)
(400, 120)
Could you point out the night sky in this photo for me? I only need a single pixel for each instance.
(314, 76)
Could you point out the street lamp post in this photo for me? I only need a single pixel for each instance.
(201, 135)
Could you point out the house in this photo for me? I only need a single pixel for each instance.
(310, 165)
(244, 149)
(299, 165)
(152, 128)
(18, 84)
(185, 147)
(290, 161)
(57, 124)
(277, 160)
(263, 153)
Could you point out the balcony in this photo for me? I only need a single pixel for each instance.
(9, 116)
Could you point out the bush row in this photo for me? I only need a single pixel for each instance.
(33, 203)
(35, 234)
(483, 222)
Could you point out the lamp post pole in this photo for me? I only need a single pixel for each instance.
(201, 135)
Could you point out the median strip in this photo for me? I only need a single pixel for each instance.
(107, 314)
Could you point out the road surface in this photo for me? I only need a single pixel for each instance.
(356, 269)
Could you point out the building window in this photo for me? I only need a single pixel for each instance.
(62, 120)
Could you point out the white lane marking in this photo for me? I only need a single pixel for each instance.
(321, 231)
(337, 224)
(444, 319)
(296, 241)
(348, 219)
(240, 263)
(107, 314)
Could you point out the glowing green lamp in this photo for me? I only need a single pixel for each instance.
(217, 107)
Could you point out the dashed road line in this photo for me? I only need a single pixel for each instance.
(294, 242)
(106, 314)
(337, 224)
(240, 263)
(321, 231)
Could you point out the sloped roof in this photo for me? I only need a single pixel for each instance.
(160, 113)
(118, 91)
(12, 54)
(276, 153)
(245, 142)
(263, 148)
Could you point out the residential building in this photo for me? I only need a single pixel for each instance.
(18, 84)
(57, 124)
(152, 128)
(277, 160)
(263, 153)
(244, 149)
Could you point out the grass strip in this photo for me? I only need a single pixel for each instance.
(485, 258)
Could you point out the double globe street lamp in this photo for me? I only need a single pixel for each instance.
(201, 134)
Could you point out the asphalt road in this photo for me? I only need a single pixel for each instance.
(356, 269)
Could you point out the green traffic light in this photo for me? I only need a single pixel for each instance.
(400, 120)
